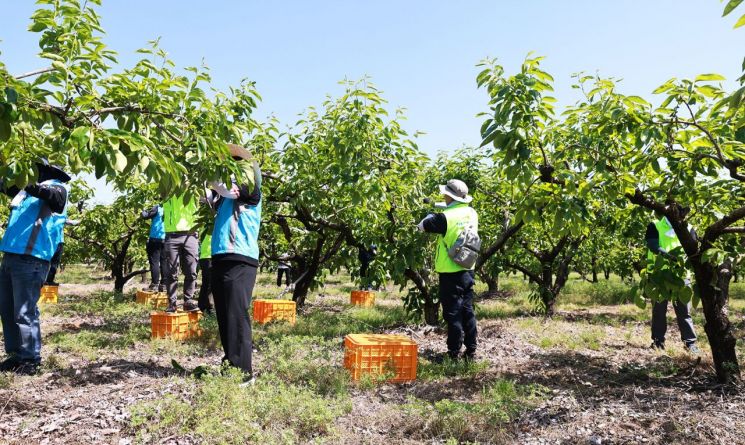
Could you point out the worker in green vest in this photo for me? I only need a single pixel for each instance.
(456, 281)
(182, 248)
(661, 240)
(205, 265)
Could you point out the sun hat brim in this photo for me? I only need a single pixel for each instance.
(239, 152)
(444, 190)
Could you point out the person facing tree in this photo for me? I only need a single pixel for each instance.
(54, 264)
(235, 253)
(34, 231)
(662, 240)
(456, 281)
(156, 254)
(182, 248)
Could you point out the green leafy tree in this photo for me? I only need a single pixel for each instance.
(342, 169)
(688, 152)
(114, 236)
(145, 121)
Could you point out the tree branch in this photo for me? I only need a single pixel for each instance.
(35, 73)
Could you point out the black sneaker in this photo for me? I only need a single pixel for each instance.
(658, 345)
(9, 364)
(27, 368)
(161, 288)
(469, 356)
(171, 308)
(190, 305)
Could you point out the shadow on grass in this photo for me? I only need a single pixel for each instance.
(110, 371)
(590, 376)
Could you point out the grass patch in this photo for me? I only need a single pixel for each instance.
(481, 421)
(124, 324)
(548, 334)
(428, 370)
(311, 362)
(218, 411)
(321, 323)
(89, 343)
(83, 274)
(516, 306)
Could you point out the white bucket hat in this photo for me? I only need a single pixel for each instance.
(456, 189)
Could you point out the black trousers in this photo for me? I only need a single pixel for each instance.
(232, 287)
(456, 297)
(54, 264)
(205, 265)
(288, 276)
(156, 256)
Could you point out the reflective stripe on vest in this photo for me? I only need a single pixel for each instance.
(458, 216)
(157, 229)
(177, 216)
(668, 239)
(237, 229)
(33, 229)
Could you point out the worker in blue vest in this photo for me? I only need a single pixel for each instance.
(235, 260)
(156, 253)
(34, 230)
(57, 258)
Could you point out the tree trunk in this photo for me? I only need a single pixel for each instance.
(307, 271)
(606, 273)
(492, 283)
(431, 310)
(547, 296)
(594, 264)
(714, 299)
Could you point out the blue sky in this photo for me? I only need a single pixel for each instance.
(422, 54)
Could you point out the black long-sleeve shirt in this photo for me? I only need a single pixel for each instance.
(150, 213)
(435, 223)
(55, 195)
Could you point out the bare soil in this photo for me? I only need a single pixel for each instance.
(621, 393)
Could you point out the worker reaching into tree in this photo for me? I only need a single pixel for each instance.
(235, 253)
(155, 248)
(34, 230)
(182, 249)
(205, 265)
(54, 264)
(661, 240)
(458, 245)
(366, 256)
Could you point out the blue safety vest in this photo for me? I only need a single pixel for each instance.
(33, 229)
(237, 229)
(157, 229)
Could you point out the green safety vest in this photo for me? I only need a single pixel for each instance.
(205, 249)
(668, 239)
(179, 217)
(458, 216)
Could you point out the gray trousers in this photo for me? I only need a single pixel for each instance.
(184, 249)
(682, 314)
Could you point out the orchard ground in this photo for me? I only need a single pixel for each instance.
(585, 376)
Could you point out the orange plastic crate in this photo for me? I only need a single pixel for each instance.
(49, 294)
(155, 300)
(176, 325)
(364, 298)
(376, 354)
(274, 310)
